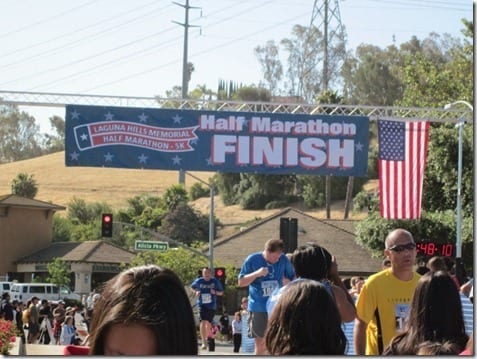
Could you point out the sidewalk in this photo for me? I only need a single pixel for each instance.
(44, 349)
(222, 349)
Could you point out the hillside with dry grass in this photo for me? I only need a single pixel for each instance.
(60, 184)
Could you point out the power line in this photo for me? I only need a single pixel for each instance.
(83, 39)
(199, 53)
(76, 31)
(132, 55)
(46, 19)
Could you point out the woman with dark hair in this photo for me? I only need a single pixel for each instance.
(435, 315)
(305, 321)
(143, 311)
(312, 261)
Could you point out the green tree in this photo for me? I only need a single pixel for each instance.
(227, 184)
(55, 143)
(438, 226)
(174, 196)
(185, 225)
(144, 210)
(373, 76)
(58, 272)
(440, 181)
(198, 191)
(258, 191)
(183, 262)
(62, 228)
(85, 213)
(19, 135)
(272, 68)
(24, 185)
(304, 54)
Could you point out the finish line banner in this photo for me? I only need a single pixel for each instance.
(227, 142)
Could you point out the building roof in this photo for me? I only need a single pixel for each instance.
(337, 236)
(88, 251)
(12, 200)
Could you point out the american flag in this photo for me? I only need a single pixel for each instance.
(402, 161)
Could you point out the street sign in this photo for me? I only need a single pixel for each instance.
(151, 246)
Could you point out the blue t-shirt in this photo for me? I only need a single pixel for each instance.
(206, 299)
(261, 288)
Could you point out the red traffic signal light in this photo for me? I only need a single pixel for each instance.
(219, 272)
(220, 275)
(107, 225)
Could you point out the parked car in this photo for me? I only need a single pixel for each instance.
(49, 291)
(5, 287)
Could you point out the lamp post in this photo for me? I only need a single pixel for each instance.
(458, 242)
(211, 217)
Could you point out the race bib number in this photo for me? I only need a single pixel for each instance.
(206, 298)
(401, 312)
(268, 286)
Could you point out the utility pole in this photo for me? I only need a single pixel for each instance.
(186, 71)
(328, 19)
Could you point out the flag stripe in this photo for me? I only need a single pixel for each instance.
(401, 165)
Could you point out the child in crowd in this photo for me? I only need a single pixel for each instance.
(237, 331)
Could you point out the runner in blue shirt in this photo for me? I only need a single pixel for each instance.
(263, 272)
(207, 288)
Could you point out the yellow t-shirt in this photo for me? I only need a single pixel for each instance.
(392, 298)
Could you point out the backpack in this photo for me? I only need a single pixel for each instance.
(26, 316)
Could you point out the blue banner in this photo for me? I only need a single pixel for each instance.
(227, 142)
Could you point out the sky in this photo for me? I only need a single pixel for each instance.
(135, 48)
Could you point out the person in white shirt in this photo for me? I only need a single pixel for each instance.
(237, 331)
(67, 331)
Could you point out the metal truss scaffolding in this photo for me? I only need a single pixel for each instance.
(454, 114)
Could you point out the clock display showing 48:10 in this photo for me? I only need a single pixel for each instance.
(430, 249)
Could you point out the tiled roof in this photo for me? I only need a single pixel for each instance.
(335, 235)
(11, 200)
(88, 251)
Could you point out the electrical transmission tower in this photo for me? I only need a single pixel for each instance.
(326, 17)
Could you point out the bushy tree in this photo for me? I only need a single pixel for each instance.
(174, 196)
(24, 185)
(272, 69)
(440, 181)
(256, 191)
(185, 225)
(58, 272)
(198, 191)
(85, 213)
(19, 135)
(62, 228)
(52, 142)
(438, 226)
(183, 262)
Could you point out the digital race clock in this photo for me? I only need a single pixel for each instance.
(431, 249)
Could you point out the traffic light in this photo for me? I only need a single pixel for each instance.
(220, 275)
(107, 225)
(289, 233)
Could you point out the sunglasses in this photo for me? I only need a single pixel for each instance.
(401, 247)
